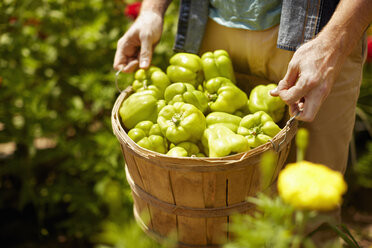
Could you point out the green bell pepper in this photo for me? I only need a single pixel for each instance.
(160, 104)
(243, 111)
(220, 141)
(258, 128)
(260, 99)
(181, 122)
(177, 152)
(151, 79)
(140, 106)
(186, 68)
(217, 64)
(228, 120)
(148, 135)
(185, 149)
(185, 92)
(224, 96)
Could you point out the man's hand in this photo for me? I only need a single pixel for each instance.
(310, 77)
(316, 64)
(136, 46)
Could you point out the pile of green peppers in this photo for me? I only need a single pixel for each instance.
(195, 109)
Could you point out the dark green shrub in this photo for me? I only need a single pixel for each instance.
(65, 176)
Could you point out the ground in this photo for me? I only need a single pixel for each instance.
(357, 216)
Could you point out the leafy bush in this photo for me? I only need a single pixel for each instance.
(62, 179)
(363, 133)
(65, 176)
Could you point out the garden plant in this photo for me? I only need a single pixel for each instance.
(62, 179)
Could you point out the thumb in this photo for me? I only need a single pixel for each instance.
(145, 53)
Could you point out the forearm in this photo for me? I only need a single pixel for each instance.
(347, 26)
(157, 6)
(315, 65)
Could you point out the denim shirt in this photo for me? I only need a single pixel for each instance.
(300, 21)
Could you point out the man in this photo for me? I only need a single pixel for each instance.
(313, 49)
(323, 75)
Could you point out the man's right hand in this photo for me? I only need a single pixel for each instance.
(135, 47)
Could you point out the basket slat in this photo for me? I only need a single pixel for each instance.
(140, 206)
(132, 167)
(214, 185)
(157, 183)
(217, 230)
(190, 196)
(238, 185)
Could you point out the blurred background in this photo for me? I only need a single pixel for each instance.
(62, 181)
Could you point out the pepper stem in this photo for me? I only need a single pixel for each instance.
(176, 118)
(144, 83)
(212, 97)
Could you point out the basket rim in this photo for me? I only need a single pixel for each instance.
(284, 137)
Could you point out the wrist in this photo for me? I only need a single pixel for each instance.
(336, 43)
(151, 14)
(157, 7)
(338, 39)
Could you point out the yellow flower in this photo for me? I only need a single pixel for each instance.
(311, 186)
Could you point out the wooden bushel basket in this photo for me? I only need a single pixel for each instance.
(193, 198)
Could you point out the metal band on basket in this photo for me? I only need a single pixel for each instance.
(277, 148)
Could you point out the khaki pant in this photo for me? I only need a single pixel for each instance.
(256, 59)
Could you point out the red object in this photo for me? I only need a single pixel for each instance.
(369, 52)
(12, 20)
(132, 10)
(32, 22)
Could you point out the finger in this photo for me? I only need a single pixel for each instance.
(119, 61)
(145, 53)
(288, 81)
(131, 66)
(290, 77)
(301, 104)
(305, 84)
(310, 108)
(292, 95)
(293, 109)
(126, 51)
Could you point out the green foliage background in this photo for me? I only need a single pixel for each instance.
(63, 184)
(65, 181)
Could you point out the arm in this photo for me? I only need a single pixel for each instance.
(135, 47)
(316, 64)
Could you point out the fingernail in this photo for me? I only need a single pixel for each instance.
(274, 91)
(144, 64)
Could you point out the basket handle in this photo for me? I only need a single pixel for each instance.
(116, 79)
(286, 131)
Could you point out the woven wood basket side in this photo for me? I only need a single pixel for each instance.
(192, 198)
